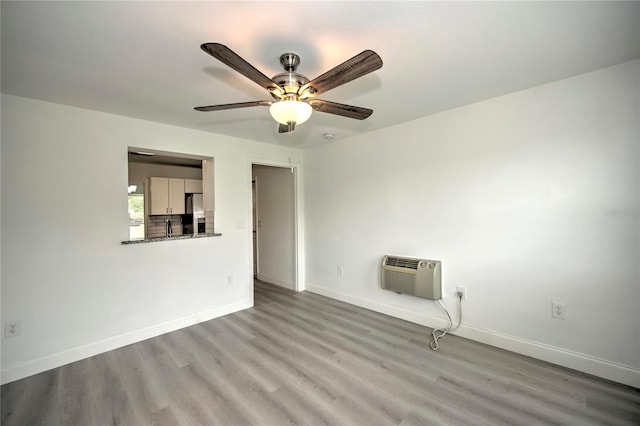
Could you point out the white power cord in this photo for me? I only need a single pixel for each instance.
(438, 333)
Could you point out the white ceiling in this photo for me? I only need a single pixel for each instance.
(143, 60)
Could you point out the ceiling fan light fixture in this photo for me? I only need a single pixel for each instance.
(285, 112)
(293, 93)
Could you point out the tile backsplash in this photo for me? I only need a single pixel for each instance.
(157, 225)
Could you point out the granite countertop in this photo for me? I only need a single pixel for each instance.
(177, 237)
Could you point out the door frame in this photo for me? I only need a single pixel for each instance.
(298, 219)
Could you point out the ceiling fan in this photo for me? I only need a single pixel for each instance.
(294, 94)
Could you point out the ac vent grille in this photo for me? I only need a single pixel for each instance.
(410, 275)
(402, 262)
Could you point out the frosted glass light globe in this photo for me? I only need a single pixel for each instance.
(285, 112)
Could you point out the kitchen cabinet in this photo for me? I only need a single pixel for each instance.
(167, 195)
(193, 186)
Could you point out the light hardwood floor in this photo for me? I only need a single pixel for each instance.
(303, 359)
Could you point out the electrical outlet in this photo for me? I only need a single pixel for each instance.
(340, 271)
(558, 310)
(463, 290)
(12, 328)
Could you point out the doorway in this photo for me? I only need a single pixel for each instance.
(275, 225)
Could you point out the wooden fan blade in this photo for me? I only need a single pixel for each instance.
(350, 111)
(286, 128)
(232, 106)
(233, 60)
(361, 64)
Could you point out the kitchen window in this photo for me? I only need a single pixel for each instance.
(136, 211)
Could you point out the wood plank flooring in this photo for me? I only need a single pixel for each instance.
(303, 359)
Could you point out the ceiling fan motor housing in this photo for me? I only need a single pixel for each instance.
(290, 81)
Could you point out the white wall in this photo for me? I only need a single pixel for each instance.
(275, 190)
(527, 198)
(66, 276)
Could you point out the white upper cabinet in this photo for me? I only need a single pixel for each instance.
(176, 196)
(167, 195)
(193, 186)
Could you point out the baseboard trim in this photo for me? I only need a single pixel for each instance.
(59, 359)
(276, 281)
(577, 361)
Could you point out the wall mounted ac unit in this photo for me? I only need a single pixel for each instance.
(408, 275)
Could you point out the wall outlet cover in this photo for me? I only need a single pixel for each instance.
(463, 290)
(12, 328)
(559, 310)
